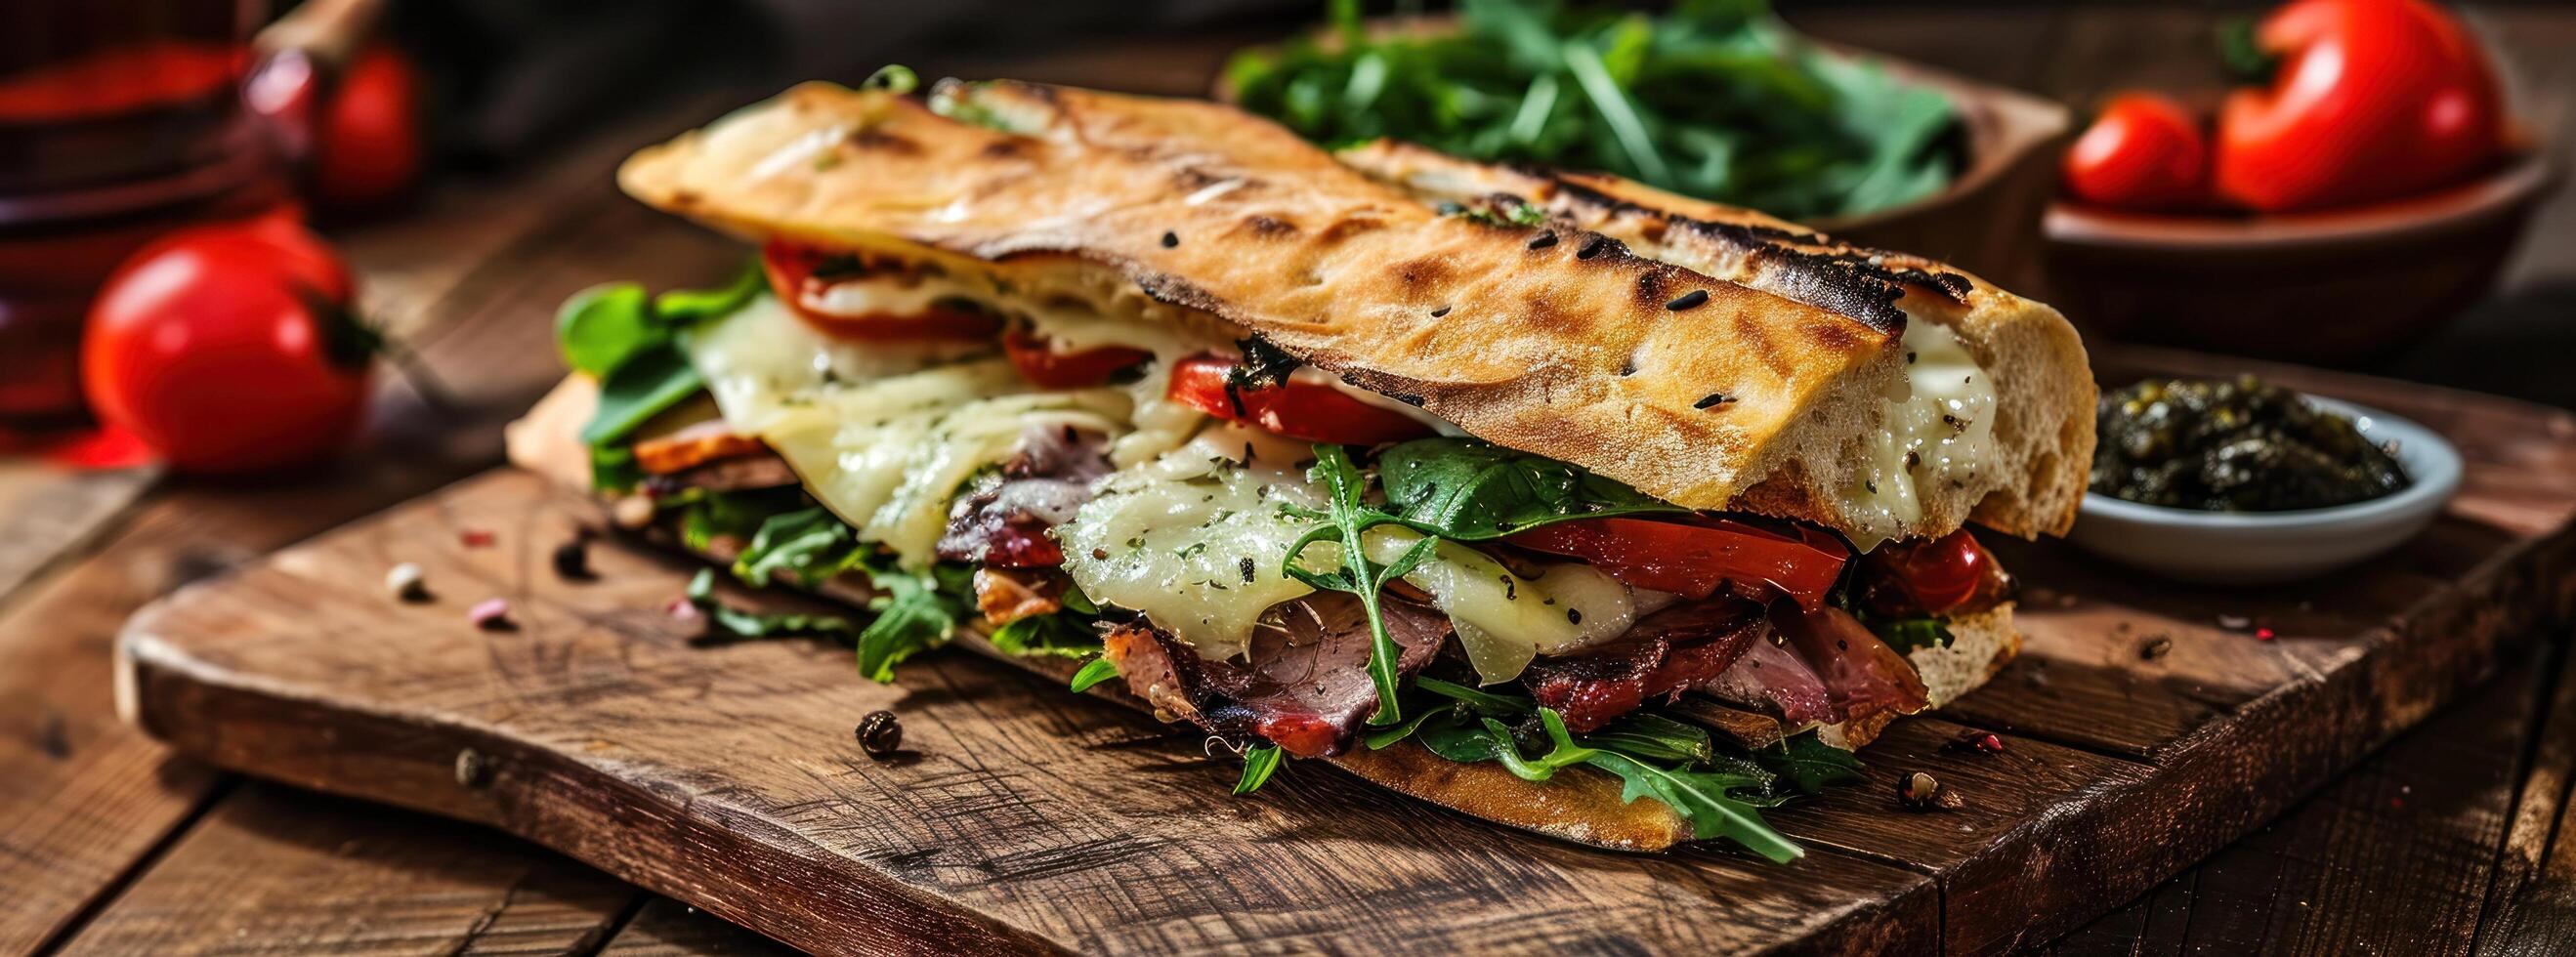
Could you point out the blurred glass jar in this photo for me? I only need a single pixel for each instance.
(119, 119)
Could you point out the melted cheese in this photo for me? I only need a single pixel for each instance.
(1196, 540)
(885, 435)
(1192, 543)
(1940, 428)
(1189, 532)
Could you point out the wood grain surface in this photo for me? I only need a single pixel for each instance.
(88, 808)
(726, 776)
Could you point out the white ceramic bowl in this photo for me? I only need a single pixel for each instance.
(2250, 548)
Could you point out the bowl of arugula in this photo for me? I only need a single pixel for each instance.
(1712, 99)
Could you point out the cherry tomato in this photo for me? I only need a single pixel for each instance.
(1692, 557)
(1302, 410)
(2143, 152)
(367, 151)
(1937, 575)
(229, 348)
(793, 272)
(1038, 361)
(2374, 99)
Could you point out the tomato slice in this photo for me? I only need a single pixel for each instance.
(1692, 557)
(793, 268)
(1301, 410)
(1936, 575)
(1039, 362)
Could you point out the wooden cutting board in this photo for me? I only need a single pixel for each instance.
(2141, 732)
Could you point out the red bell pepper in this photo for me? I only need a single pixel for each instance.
(2374, 99)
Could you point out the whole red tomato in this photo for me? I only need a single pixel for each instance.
(2144, 151)
(229, 348)
(2373, 99)
(367, 151)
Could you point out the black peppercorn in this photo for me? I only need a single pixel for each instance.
(880, 734)
(572, 559)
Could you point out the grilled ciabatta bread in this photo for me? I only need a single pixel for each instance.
(1604, 336)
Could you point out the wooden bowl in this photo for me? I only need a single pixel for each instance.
(1986, 222)
(2337, 287)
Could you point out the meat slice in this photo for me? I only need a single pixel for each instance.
(1003, 517)
(740, 474)
(1862, 675)
(1769, 671)
(1670, 650)
(695, 445)
(1006, 595)
(1304, 684)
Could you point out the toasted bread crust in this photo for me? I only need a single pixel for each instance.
(1551, 340)
(2045, 429)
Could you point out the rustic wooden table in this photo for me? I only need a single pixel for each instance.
(2446, 842)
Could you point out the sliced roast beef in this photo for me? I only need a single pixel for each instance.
(1003, 517)
(740, 474)
(1672, 649)
(1304, 683)
(695, 445)
(1006, 595)
(1862, 675)
(1769, 671)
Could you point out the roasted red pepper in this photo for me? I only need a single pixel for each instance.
(2373, 99)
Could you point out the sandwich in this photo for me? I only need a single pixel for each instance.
(1563, 502)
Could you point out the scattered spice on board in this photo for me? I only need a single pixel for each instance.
(477, 537)
(880, 734)
(1982, 742)
(407, 583)
(1922, 792)
(491, 614)
(572, 559)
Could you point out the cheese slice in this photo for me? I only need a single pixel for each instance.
(1190, 531)
(1940, 428)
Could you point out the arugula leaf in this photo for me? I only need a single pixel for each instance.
(1258, 765)
(912, 615)
(613, 468)
(748, 624)
(705, 516)
(1654, 737)
(1565, 752)
(1809, 764)
(811, 545)
(914, 610)
(651, 380)
(1719, 794)
(1477, 698)
(1094, 672)
(1347, 521)
(601, 327)
(1907, 634)
(629, 341)
(1469, 490)
(1713, 98)
(1060, 633)
(1382, 737)
(686, 307)
(1701, 798)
